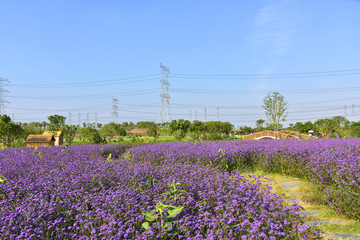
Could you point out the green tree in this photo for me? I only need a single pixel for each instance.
(325, 126)
(260, 123)
(245, 130)
(90, 135)
(33, 128)
(303, 127)
(332, 127)
(218, 130)
(355, 131)
(56, 122)
(341, 124)
(9, 130)
(275, 107)
(179, 128)
(69, 132)
(131, 125)
(112, 129)
(151, 126)
(197, 129)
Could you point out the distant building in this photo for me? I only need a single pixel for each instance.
(40, 140)
(138, 132)
(59, 139)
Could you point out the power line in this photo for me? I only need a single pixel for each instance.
(150, 77)
(273, 75)
(105, 95)
(183, 90)
(251, 92)
(137, 79)
(61, 110)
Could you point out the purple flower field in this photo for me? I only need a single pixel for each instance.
(169, 190)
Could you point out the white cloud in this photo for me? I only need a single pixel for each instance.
(273, 26)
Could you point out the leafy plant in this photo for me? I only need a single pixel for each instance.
(167, 213)
(2, 180)
(173, 193)
(109, 158)
(128, 155)
(38, 153)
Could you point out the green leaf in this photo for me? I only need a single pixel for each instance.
(149, 216)
(160, 207)
(204, 202)
(146, 226)
(2, 179)
(174, 211)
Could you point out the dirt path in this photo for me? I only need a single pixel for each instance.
(331, 224)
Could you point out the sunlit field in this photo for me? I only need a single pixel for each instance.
(172, 190)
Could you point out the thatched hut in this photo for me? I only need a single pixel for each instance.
(57, 135)
(138, 132)
(40, 140)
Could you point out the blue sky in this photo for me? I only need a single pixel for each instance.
(73, 57)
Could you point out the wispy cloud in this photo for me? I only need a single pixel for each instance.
(273, 27)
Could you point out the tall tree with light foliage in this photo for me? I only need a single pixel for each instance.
(8, 130)
(275, 107)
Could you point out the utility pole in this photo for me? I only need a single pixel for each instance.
(69, 118)
(115, 102)
(196, 115)
(353, 112)
(165, 97)
(3, 91)
(87, 119)
(79, 119)
(345, 115)
(205, 115)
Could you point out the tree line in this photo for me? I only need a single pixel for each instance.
(14, 134)
(333, 127)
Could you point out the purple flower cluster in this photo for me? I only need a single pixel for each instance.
(332, 165)
(83, 193)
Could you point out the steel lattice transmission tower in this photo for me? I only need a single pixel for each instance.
(3, 91)
(115, 115)
(165, 114)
